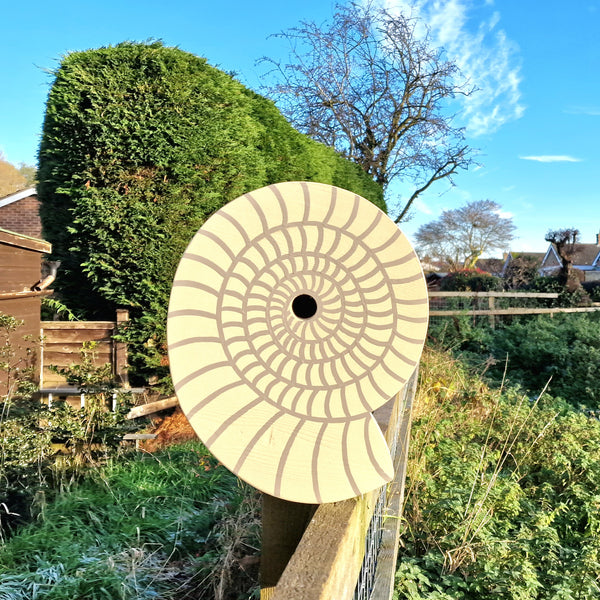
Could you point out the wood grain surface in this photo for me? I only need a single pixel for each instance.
(296, 311)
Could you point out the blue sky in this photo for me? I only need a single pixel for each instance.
(535, 120)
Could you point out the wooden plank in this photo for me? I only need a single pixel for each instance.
(71, 325)
(75, 348)
(25, 294)
(77, 337)
(283, 524)
(152, 407)
(55, 356)
(493, 294)
(10, 238)
(511, 311)
(327, 561)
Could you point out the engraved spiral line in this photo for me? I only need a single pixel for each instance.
(313, 376)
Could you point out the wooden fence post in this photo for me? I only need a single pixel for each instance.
(283, 524)
(492, 306)
(120, 351)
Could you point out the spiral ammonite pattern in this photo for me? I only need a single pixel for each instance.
(296, 310)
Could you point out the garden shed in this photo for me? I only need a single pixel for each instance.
(20, 296)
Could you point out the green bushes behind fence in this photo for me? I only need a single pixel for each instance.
(140, 144)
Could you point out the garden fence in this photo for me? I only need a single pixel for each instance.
(62, 343)
(497, 305)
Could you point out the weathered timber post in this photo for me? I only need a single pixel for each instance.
(492, 306)
(283, 524)
(120, 351)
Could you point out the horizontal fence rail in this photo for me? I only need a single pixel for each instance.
(498, 304)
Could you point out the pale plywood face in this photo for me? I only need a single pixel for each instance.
(296, 310)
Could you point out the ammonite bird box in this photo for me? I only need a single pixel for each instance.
(296, 310)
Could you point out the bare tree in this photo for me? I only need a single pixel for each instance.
(564, 241)
(369, 85)
(460, 236)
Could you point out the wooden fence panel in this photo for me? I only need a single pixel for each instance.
(62, 342)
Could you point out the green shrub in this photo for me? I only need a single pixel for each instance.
(43, 447)
(140, 144)
(501, 493)
(563, 352)
(470, 280)
(566, 298)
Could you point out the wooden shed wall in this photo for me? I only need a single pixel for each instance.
(20, 267)
(26, 309)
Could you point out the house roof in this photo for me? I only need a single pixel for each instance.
(490, 265)
(585, 256)
(17, 196)
(11, 238)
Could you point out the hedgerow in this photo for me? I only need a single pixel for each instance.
(140, 144)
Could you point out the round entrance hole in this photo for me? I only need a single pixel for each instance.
(304, 306)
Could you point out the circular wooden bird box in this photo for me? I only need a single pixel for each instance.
(296, 310)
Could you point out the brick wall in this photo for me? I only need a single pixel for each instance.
(22, 217)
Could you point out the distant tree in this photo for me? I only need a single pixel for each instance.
(11, 179)
(370, 86)
(460, 236)
(564, 241)
(29, 172)
(521, 271)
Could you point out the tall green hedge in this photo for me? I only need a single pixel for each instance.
(140, 144)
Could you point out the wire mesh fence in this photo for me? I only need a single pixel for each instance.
(375, 580)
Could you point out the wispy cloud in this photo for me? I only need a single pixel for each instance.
(551, 158)
(592, 111)
(486, 56)
(421, 207)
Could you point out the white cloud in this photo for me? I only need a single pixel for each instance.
(504, 214)
(421, 207)
(592, 111)
(551, 158)
(485, 55)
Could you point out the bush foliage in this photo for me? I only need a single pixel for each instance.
(473, 280)
(140, 144)
(41, 446)
(561, 352)
(502, 493)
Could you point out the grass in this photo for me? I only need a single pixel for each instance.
(162, 525)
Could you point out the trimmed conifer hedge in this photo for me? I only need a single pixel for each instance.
(140, 144)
